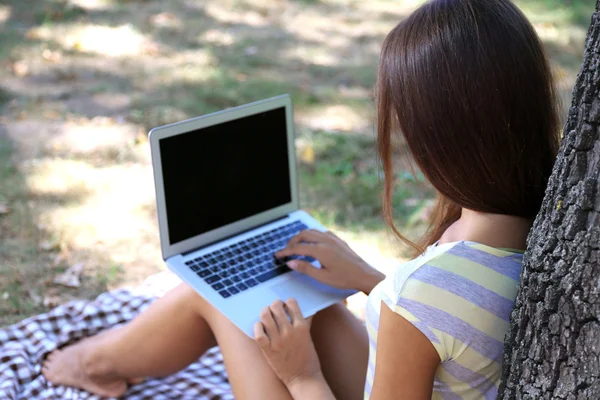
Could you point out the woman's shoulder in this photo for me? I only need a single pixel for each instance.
(471, 260)
(457, 267)
(461, 290)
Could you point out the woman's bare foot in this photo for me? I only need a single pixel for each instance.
(78, 366)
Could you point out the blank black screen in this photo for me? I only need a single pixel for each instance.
(225, 173)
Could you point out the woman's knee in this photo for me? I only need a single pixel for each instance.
(188, 297)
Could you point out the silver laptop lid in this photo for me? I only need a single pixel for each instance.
(223, 173)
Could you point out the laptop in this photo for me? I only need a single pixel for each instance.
(227, 199)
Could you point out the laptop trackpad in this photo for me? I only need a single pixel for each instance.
(311, 295)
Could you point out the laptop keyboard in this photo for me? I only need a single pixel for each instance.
(236, 268)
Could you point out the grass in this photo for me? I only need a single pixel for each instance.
(75, 168)
(576, 12)
(341, 182)
(18, 237)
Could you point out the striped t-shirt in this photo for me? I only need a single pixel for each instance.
(459, 295)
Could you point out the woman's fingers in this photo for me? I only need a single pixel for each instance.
(307, 269)
(302, 249)
(294, 311)
(260, 335)
(270, 326)
(280, 316)
(309, 235)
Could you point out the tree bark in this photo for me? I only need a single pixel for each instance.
(552, 350)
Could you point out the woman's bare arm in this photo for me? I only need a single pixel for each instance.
(406, 360)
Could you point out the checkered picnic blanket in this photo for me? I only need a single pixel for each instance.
(24, 345)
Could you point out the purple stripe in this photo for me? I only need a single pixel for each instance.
(445, 391)
(503, 265)
(455, 327)
(373, 319)
(372, 315)
(492, 302)
(477, 381)
(422, 326)
(368, 387)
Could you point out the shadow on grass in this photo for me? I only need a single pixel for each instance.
(247, 61)
(259, 61)
(27, 269)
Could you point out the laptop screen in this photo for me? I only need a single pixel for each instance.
(225, 173)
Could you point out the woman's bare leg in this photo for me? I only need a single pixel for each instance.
(165, 338)
(250, 376)
(177, 329)
(342, 343)
(171, 334)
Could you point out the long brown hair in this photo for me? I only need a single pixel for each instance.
(469, 87)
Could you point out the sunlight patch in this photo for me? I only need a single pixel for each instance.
(109, 205)
(225, 14)
(114, 42)
(217, 36)
(92, 4)
(333, 118)
(5, 12)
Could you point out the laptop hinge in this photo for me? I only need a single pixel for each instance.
(230, 236)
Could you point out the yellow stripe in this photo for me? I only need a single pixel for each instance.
(493, 250)
(471, 359)
(403, 312)
(481, 275)
(435, 396)
(452, 304)
(455, 384)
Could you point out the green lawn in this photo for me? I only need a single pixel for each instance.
(83, 81)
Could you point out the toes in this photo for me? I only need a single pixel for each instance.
(114, 390)
(135, 381)
(46, 371)
(52, 355)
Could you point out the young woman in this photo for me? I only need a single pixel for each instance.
(468, 86)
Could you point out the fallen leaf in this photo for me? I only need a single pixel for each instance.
(52, 115)
(34, 34)
(37, 300)
(48, 245)
(77, 45)
(51, 56)
(164, 19)
(51, 301)
(151, 49)
(70, 277)
(20, 69)
(308, 155)
(59, 259)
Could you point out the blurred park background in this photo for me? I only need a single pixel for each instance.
(82, 81)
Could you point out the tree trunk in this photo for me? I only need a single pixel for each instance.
(552, 350)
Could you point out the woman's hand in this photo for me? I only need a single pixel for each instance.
(341, 267)
(283, 335)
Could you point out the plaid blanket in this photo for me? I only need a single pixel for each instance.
(24, 345)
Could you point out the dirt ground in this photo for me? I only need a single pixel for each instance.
(82, 81)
